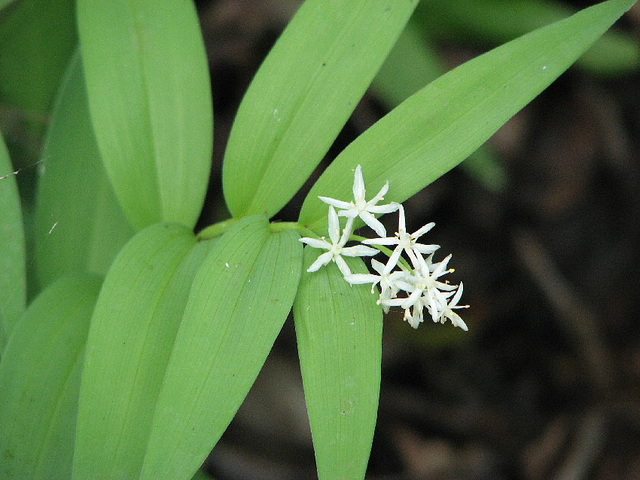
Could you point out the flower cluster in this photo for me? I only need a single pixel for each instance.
(411, 285)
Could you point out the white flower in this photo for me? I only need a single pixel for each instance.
(390, 283)
(360, 207)
(336, 248)
(405, 241)
(447, 311)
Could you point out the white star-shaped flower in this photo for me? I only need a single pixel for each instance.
(390, 283)
(447, 311)
(336, 249)
(405, 241)
(359, 207)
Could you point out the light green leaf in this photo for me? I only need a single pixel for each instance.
(150, 102)
(132, 333)
(37, 38)
(13, 284)
(446, 121)
(339, 334)
(79, 223)
(239, 300)
(40, 380)
(302, 95)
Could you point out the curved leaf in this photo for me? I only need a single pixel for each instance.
(150, 102)
(79, 223)
(40, 379)
(446, 121)
(302, 95)
(239, 300)
(130, 341)
(339, 335)
(13, 283)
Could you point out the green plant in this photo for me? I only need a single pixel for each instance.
(144, 338)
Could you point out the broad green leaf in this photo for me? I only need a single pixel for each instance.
(150, 102)
(339, 334)
(79, 223)
(132, 333)
(442, 124)
(37, 38)
(40, 380)
(492, 22)
(239, 300)
(411, 65)
(13, 285)
(302, 95)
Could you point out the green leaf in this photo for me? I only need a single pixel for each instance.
(13, 284)
(239, 300)
(79, 223)
(302, 95)
(492, 22)
(132, 333)
(40, 379)
(339, 334)
(446, 121)
(37, 38)
(411, 65)
(150, 103)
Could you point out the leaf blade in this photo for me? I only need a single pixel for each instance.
(326, 58)
(150, 103)
(446, 121)
(130, 340)
(79, 223)
(339, 335)
(40, 378)
(239, 301)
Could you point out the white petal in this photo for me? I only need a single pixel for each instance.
(374, 223)
(316, 243)
(342, 265)
(336, 203)
(321, 261)
(359, 251)
(422, 230)
(391, 207)
(402, 227)
(393, 260)
(334, 225)
(358, 184)
(425, 249)
(380, 194)
(381, 241)
(361, 278)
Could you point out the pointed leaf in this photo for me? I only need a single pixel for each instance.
(79, 223)
(130, 341)
(446, 121)
(239, 300)
(40, 381)
(150, 103)
(339, 334)
(302, 95)
(13, 285)
(411, 65)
